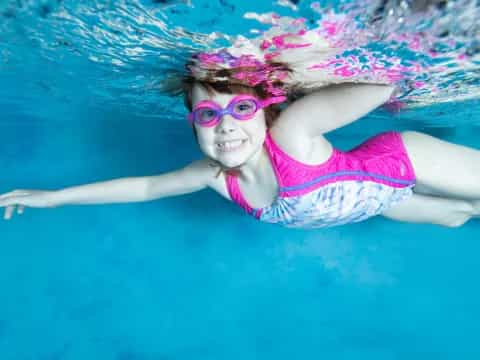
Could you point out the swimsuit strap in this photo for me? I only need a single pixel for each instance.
(236, 194)
(283, 165)
(232, 181)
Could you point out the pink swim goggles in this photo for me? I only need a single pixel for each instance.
(242, 107)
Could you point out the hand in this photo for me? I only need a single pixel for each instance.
(22, 198)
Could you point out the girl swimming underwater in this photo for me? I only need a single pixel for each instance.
(265, 149)
(280, 168)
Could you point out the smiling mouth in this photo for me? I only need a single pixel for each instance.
(228, 146)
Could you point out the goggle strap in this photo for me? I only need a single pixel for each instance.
(273, 100)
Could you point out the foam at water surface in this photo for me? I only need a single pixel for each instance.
(429, 49)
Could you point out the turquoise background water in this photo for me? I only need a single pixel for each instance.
(192, 277)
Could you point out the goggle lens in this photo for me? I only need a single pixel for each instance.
(205, 115)
(244, 108)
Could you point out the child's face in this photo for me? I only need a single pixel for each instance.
(231, 142)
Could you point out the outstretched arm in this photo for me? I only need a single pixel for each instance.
(332, 107)
(193, 177)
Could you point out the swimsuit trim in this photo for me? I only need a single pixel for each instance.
(345, 173)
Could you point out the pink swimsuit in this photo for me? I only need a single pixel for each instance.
(349, 187)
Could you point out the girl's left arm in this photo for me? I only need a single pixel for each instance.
(332, 107)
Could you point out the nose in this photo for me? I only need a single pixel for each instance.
(226, 125)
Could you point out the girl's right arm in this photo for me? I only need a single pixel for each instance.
(194, 177)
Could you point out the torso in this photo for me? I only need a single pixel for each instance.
(316, 187)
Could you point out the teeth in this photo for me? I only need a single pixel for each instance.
(229, 144)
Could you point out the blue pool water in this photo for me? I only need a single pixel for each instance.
(192, 277)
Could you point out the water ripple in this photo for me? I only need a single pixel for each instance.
(123, 51)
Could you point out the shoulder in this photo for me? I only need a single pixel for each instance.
(298, 145)
(209, 172)
(204, 170)
(292, 130)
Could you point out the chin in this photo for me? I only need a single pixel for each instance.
(232, 162)
(234, 159)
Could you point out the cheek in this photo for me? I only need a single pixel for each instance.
(256, 126)
(204, 138)
(260, 120)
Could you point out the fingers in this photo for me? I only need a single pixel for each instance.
(14, 193)
(7, 201)
(10, 201)
(8, 212)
